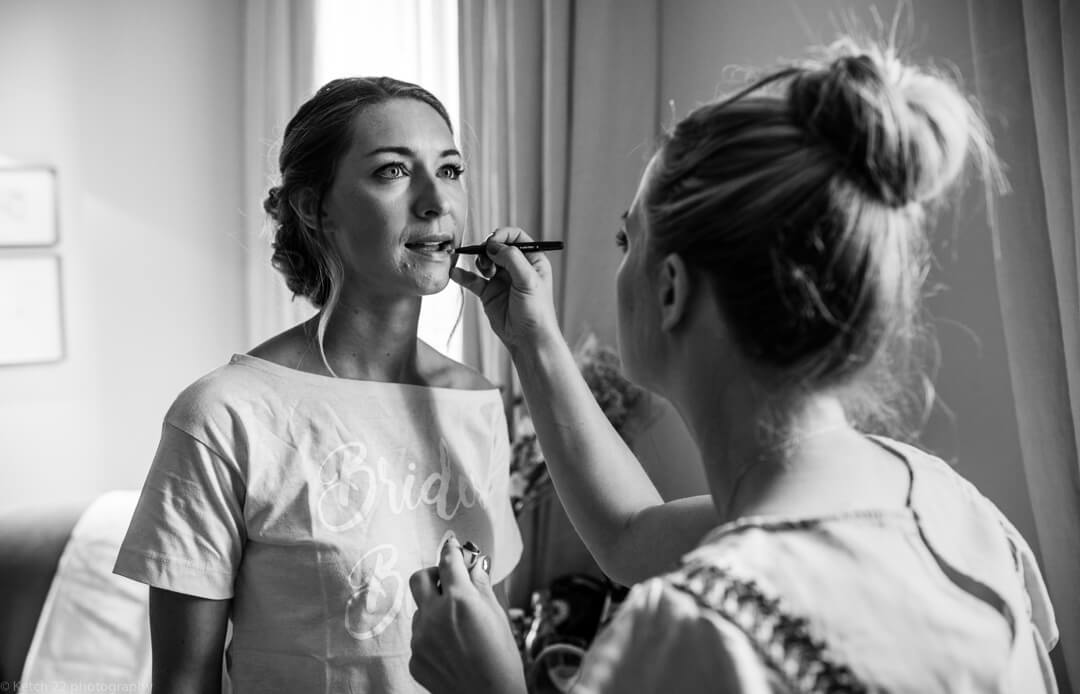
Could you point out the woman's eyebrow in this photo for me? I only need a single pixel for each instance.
(406, 152)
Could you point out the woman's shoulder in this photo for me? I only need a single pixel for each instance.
(292, 349)
(662, 639)
(968, 531)
(933, 568)
(440, 371)
(217, 393)
(783, 642)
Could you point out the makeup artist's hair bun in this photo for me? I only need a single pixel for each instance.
(900, 133)
(802, 198)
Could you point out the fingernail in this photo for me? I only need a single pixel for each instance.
(451, 539)
(471, 546)
(485, 564)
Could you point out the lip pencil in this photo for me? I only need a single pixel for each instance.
(524, 247)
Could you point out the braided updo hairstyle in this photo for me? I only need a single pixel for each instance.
(803, 199)
(316, 138)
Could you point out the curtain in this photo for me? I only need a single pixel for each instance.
(514, 133)
(279, 41)
(1029, 85)
(559, 114)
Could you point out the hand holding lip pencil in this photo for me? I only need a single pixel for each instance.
(523, 246)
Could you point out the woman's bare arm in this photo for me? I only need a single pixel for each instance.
(187, 638)
(614, 506)
(609, 498)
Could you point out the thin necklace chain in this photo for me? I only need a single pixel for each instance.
(784, 444)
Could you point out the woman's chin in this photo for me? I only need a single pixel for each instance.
(433, 284)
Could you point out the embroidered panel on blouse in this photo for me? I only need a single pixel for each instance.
(783, 640)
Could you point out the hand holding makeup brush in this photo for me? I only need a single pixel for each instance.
(515, 289)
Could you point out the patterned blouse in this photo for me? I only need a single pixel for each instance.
(941, 596)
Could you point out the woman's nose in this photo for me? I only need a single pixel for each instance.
(431, 202)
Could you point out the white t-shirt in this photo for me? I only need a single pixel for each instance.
(309, 501)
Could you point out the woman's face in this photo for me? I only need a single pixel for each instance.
(395, 210)
(638, 316)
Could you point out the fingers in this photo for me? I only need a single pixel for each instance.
(525, 271)
(502, 234)
(452, 572)
(485, 265)
(480, 571)
(498, 239)
(424, 584)
(496, 243)
(470, 280)
(478, 565)
(509, 235)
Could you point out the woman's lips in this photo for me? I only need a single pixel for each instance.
(432, 248)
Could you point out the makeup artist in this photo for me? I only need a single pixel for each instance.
(772, 265)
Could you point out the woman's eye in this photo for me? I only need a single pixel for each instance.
(453, 171)
(620, 239)
(392, 171)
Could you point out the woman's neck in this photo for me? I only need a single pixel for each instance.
(373, 343)
(748, 441)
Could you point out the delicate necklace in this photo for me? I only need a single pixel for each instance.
(787, 443)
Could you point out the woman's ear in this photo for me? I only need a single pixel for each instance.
(305, 203)
(673, 286)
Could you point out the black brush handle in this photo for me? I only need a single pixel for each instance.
(524, 247)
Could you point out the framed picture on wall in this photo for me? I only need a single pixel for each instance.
(31, 312)
(28, 206)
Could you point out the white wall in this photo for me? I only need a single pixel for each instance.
(136, 103)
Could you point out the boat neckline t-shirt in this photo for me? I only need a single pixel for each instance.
(309, 501)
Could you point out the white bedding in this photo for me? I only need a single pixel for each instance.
(93, 635)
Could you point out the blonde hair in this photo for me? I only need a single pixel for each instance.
(804, 200)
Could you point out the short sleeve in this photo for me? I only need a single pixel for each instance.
(187, 532)
(1039, 606)
(661, 641)
(1037, 598)
(508, 543)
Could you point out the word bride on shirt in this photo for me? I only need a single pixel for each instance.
(353, 484)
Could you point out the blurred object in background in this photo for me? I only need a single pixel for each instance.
(628, 408)
(565, 618)
(646, 422)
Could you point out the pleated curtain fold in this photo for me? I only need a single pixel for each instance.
(279, 50)
(1027, 66)
(559, 116)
